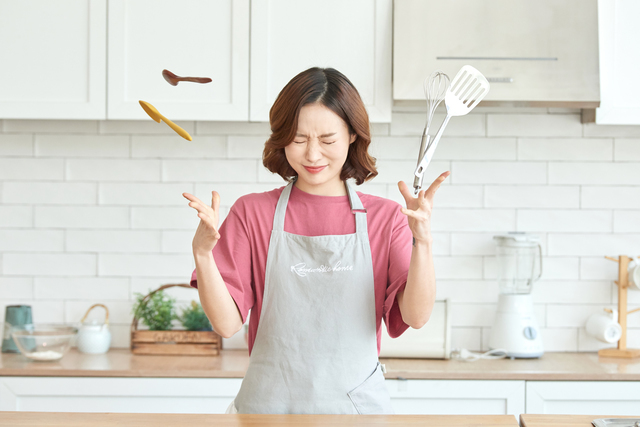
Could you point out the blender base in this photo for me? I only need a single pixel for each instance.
(515, 328)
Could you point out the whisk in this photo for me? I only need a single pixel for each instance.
(435, 88)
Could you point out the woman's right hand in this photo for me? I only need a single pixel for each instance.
(207, 233)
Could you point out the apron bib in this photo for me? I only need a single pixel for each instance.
(316, 350)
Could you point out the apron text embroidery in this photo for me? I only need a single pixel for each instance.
(302, 270)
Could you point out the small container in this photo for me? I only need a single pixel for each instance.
(15, 315)
(43, 342)
(94, 337)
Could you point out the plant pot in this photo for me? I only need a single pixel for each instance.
(174, 342)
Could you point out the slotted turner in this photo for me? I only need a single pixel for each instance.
(467, 89)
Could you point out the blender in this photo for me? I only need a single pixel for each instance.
(519, 263)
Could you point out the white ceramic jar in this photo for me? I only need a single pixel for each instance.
(94, 337)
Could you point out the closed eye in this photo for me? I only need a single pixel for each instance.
(327, 143)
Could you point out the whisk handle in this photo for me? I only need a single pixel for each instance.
(426, 159)
(424, 141)
(417, 181)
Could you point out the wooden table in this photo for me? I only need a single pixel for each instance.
(76, 419)
(531, 420)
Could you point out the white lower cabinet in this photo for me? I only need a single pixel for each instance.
(583, 397)
(213, 395)
(457, 397)
(85, 394)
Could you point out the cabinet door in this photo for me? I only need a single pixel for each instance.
(86, 394)
(289, 36)
(619, 62)
(583, 397)
(531, 51)
(53, 59)
(456, 397)
(191, 38)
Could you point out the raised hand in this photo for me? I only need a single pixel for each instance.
(207, 234)
(418, 210)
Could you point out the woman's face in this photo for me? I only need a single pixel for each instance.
(319, 150)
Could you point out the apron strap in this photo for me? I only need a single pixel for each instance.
(356, 208)
(278, 219)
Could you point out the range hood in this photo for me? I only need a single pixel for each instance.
(541, 53)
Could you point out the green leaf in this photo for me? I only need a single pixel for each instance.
(157, 312)
(194, 318)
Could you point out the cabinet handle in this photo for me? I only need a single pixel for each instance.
(500, 79)
(498, 58)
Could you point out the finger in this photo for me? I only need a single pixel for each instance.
(201, 210)
(194, 199)
(206, 220)
(202, 205)
(431, 191)
(404, 190)
(412, 214)
(215, 201)
(191, 197)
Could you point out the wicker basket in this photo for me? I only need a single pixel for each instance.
(174, 342)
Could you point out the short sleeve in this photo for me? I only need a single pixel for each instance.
(232, 255)
(399, 260)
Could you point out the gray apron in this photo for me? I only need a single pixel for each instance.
(315, 350)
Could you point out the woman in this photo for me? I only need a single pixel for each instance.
(318, 263)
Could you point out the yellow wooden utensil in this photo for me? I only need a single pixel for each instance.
(156, 116)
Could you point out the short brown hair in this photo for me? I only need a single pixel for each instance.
(332, 89)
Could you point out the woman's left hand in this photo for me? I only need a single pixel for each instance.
(418, 210)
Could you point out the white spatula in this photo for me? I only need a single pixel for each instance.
(467, 89)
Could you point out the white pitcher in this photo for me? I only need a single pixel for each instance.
(94, 337)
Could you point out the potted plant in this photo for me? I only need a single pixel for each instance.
(157, 311)
(193, 318)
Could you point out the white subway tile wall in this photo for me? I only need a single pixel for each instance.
(92, 211)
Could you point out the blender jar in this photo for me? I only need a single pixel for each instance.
(519, 262)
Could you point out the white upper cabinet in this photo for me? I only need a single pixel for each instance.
(619, 62)
(539, 53)
(53, 59)
(290, 36)
(191, 38)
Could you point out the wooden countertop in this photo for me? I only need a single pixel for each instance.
(530, 420)
(119, 362)
(79, 419)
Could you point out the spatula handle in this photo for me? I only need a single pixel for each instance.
(195, 79)
(183, 133)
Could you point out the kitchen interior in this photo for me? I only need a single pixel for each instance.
(536, 233)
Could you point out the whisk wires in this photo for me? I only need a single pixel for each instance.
(435, 88)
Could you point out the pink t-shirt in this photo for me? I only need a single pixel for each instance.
(241, 252)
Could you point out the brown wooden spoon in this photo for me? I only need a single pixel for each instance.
(173, 80)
